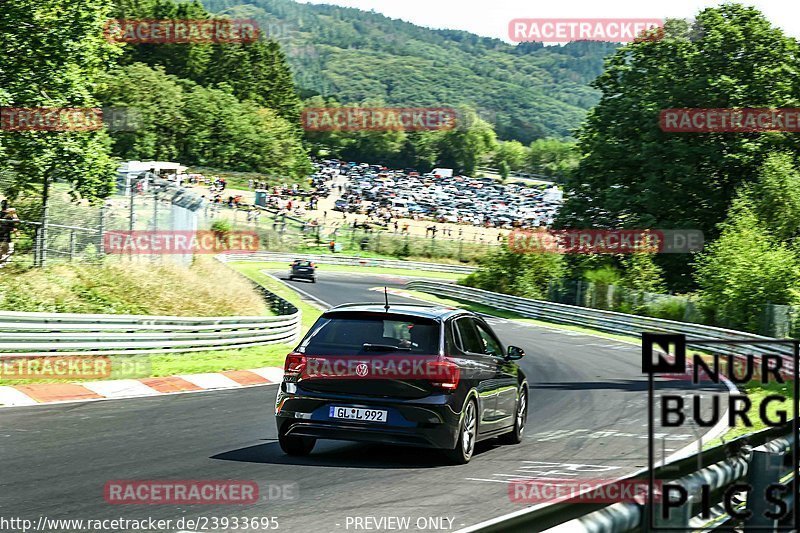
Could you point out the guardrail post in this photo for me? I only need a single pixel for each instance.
(679, 517)
(101, 246)
(765, 469)
(71, 245)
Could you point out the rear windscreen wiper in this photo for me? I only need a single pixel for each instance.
(384, 348)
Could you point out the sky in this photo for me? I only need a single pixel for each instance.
(490, 17)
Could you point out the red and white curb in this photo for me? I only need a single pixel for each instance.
(46, 393)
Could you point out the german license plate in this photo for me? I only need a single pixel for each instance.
(355, 413)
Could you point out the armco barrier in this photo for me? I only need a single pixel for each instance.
(345, 260)
(42, 334)
(606, 321)
(749, 459)
(758, 460)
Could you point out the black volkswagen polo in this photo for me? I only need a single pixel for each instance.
(423, 376)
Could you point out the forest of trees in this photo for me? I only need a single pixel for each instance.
(236, 106)
(741, 189)
(228, 105)
(462, 147)
(231, 105)
(525, 92)
(221, 105)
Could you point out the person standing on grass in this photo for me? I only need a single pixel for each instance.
(8, 223)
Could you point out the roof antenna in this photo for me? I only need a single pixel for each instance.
(386, 297)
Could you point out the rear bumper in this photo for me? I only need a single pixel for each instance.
(427, 423)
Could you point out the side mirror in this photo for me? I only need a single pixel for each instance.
(514, 353)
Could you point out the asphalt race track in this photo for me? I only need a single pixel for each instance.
(588, 419)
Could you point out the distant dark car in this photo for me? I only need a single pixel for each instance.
(459, 384)
(340, 205)
(303, 270)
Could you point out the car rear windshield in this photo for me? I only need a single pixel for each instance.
(362, 334)
(302, 263)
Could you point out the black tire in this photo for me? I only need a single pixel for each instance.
(515, 435)
(467, 435)
(291, 278)
(297, 446)
(313, 280)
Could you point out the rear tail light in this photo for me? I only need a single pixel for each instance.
(295, 365)
(444, 374)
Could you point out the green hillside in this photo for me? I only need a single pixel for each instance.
(526, 91)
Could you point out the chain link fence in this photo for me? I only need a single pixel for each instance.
(74, 231)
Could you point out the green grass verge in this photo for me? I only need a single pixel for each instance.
(197, 362)
(369, 270)
(137, 287)
(757, 392)
(254, 357)
(421, 249)
(253, 271)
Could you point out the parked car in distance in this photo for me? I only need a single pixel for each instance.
(460, 386)
(302, 269)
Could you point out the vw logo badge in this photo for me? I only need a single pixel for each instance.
(362, 369)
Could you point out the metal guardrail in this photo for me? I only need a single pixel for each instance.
(41, 334)
(757, 460)
(345, 260)
(607, 321)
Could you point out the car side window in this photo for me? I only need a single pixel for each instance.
(467, 336)
(489, 343)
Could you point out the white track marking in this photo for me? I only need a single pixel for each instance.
(120, 388)
(11, 397)
(211, 381)
(271, 373)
